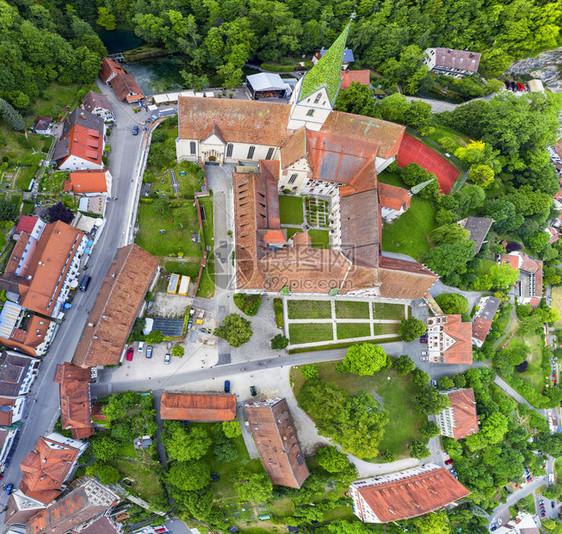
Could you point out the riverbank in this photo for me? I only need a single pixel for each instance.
(145, 51)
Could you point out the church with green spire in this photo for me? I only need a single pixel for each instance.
(316, 92)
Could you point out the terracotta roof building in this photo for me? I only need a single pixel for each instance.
(21, 508)
(89, 500)
(455, 63)
(198, 407)
(271, 425)
(482, 320)
(98, 105)
(89, 182)
(126, 88)
(42, 125)
(109, 69)
(355, 76)
(478, 228)
(75, 399)
(449, 339)
(47, 466)
(405, 494)
(460, 419)
(41, 270)
(118, 304)
(103, 525)
(82, 142)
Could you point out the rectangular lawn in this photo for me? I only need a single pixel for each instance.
(349, 309)
(384, 310)
(320, 238)
(291, 210)
(409, 233)
(310, 333)
(352, 330)
(178, 220)
(309, 309)
(385, 328)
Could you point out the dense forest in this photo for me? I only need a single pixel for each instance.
(55, 40)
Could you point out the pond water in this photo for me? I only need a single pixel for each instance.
(156, 75)
(119, 40)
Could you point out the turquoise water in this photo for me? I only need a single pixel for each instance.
(154, 76)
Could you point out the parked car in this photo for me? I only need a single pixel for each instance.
(149, 351)
(9, 489)
(141, 346)
(433, 382)
(130, 352)
(135, 130)
(424, 353)
(227, 386)
(543, 514)
(553, 504)
(167, 358)
(424, 358)
(205, 331)
(85, 282)
(449, 461)
(423, 340)
(253, 391)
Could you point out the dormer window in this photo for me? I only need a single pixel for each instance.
(310, 113)
(317, 99)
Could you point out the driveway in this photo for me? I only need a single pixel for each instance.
(472, 296)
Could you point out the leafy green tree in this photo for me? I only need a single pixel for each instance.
(183, 445)
(418, 449)
(332, 460)
(225, 451)
(106, 19)
(279, 342)
(420, 378)
(189, 476)
(429, 429)
(104, 447)
(11, 117)
(235, 330)
(254, 487)
(449, 258)
(357, 99)
(106, 473)
(199, 502)
(363, 359)
(452, 303)
(178, 350)
(403, 365)
(122, 432)
(538, 242)
(309, 371)
(413, 174)
(481, 175)
(411, 328)
(445, 383)
(231, 429)
(155, 337)
(430, 401)
(449, 233)
(192, 81)
(433, 523)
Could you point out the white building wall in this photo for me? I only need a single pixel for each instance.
(382, 163)
(74, 163)
(311, 112)
(430, 55)
(240, 151)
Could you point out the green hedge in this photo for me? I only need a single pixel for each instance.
(277, 68)
(278, 309)
(249, 304)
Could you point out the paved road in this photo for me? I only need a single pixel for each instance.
(43, 407)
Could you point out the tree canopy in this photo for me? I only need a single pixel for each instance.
(235, 330)
(363, 359)
(411, 328)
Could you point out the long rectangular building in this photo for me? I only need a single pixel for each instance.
(271, 424)
(405, 494)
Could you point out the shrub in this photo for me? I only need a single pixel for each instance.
(249, 304)
(278, 309)
(309, 371)
(279, 342)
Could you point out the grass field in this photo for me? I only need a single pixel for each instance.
(397, 397)
(178, 219)
(188, 182)
(348, 309)
(485, 268)
(56, 97)
(534, 373)
(557, 301)
(207, 284)
(409, 233)
(188, 268)
(352, 330)
(385, 328)
(309, 309)
(147, 483)
(320, 238)
(384, 310)
(291, 210)
(310, 333)
(391, 178)
(208, 207)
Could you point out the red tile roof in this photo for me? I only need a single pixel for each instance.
(75, 399)
(464, 410)
(116, 308)
(413, 496)
(29, 339)
(126, 88)
(6, 406)
(87, 182)
(109, 67)
(481, 328)
(393, 197)
(461, 350)
(271, 425)
(350, 76)
(45, 469)
(27, 224)
(198, 407)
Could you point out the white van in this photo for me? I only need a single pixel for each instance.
(141, 346)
